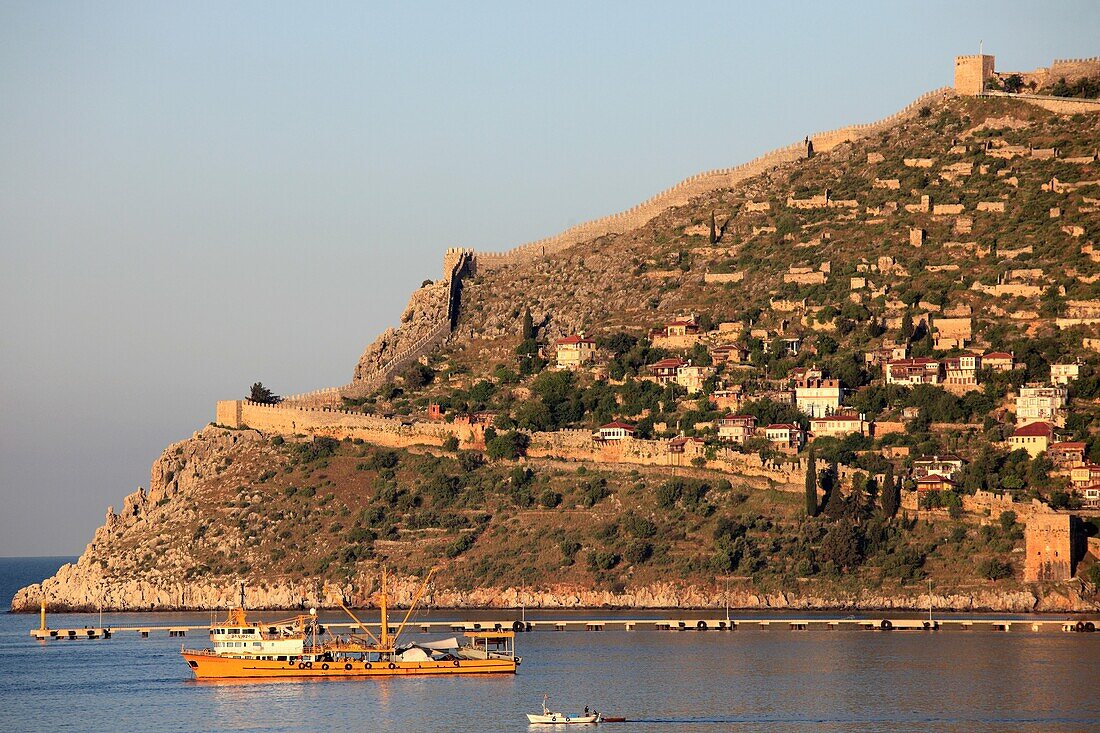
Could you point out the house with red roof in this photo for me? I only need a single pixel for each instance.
(1034, 437)
(681, 333)
(574, 351)
(666, 370)
(1090, 496)
(838, 425)
(999, 361)
(1084, 475)
(935, 482)
(911, 372)
(616, 431)
(1066, 454)
(785, 437)
(736, 428)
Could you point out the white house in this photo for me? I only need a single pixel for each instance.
(616, 431)
(575, 351)
(1041, 403)
(818, 397)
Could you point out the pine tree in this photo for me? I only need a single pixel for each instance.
(261, 394)
(528, 325)
(811, 484)
(891, 496)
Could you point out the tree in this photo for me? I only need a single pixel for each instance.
(510, 445)
(528, 325)
(419, 375)
(835, 505)
(1013, 83)
(263, 395)
(891, 494)
(811, 484)
(713, 229)
(843, 546)
(907, 326)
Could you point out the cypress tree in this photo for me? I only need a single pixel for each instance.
(907, 328)
(713, 229)
(835, 506)
(811, 484)
(528, 324)
(891, 495)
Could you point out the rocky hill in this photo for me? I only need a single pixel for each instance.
(976, 210)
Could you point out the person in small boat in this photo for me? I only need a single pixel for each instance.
(586, 711)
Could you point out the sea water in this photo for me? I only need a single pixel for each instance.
(750, 679)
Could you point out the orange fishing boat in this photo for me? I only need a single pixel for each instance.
(300, 647)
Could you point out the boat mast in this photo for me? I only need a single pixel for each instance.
(385, 635)
(412, 606)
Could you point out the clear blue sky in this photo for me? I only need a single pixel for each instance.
(194, 196)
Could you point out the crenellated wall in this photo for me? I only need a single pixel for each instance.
(696, 185)
(570, 445)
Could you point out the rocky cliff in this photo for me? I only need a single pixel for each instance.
(427, 307)
(233, 505)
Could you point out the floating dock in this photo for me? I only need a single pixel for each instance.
(632, 624)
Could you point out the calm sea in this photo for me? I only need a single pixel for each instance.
(745, 680)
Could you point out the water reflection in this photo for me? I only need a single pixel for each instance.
(745, 680)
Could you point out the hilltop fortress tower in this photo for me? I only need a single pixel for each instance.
(971, 74)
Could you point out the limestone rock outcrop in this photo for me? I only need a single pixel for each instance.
(145, 557)
(426, 309)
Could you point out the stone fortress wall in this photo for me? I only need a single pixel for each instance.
(696, 185)
(972, 73)
(570, 445)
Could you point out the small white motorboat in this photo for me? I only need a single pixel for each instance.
(549, 717)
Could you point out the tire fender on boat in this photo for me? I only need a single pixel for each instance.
(324, 666)
(347, 666)
(702, 625)
(456, 663)
(309, 665)
(886, 624)
(301, 665)
(391, 665)
(367, 666)
(518, 626)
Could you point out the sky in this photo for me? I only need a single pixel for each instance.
(196, 196)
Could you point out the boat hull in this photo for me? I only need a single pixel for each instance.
(561, 719)
(214, 667)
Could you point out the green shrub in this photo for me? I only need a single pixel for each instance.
(603, 560)
(637, 551)
(461, 545)
(509, 445)
(993, 568)
(549, 498)
(638, 527)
